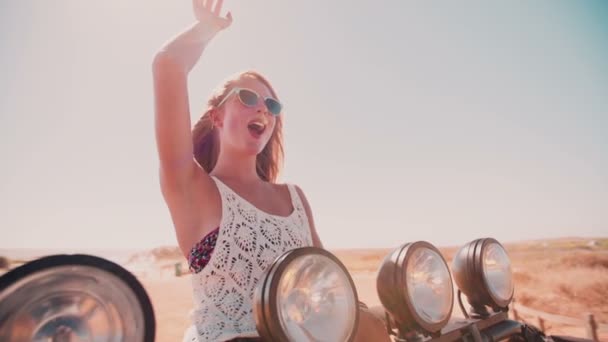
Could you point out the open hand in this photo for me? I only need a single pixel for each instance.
(209, 16)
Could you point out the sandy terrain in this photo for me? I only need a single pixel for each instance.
(172, 298)
(568, 278)
(565, 278)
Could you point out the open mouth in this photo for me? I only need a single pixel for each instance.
(256, 128)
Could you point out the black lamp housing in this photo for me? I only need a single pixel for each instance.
(391, 284)
(40, 285)
(467, 267)
(265, 297)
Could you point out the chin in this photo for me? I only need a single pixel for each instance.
(253, 149)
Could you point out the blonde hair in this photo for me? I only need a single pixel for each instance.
(206, 142)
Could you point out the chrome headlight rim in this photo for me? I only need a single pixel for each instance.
(266, 311)
(12, 278)
(391, 284)
(472, 280)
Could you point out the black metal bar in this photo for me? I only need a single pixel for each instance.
(472, 329)
(464, 311)
(503, 330)
(456, 330)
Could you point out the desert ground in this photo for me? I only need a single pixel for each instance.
(567, 277)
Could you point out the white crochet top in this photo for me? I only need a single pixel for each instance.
(249, 240)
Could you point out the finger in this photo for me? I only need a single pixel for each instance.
(209, 5)
(227, 21)
(197, 4)
(218, 7)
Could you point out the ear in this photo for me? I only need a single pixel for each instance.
(216, 116)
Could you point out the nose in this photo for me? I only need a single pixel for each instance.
(261, 108)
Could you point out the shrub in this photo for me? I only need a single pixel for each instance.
(4, 262)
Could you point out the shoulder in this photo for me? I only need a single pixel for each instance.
(300, 194)
(313, 230)
(304, 200)
(285, 189)
(302, 197)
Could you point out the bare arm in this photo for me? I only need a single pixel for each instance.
(183, 183)
(170, 73)
(316, 241)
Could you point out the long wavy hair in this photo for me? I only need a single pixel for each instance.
(206, 140)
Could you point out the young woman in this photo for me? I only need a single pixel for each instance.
(230, 216)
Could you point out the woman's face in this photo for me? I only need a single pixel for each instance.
(243, 128)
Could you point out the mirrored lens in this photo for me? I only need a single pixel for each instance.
(315, 300)
(248, 97)
(429, 285)
(70, 303)
(273, 106)
(497, 272)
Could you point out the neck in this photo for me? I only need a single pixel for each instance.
(232, 165)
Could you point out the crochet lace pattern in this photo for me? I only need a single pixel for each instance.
(248, 241)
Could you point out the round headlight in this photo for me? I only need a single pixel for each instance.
(482, 271)
(415, 287)
(74, 298)
(306, 295)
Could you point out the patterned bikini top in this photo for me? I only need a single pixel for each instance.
(200, 254)
(247, 241)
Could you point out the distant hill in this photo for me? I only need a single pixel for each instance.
(158, 254)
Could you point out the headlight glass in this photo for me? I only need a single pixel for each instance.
(315, 300)
(70, 303)
(497, 272)
(429, 285)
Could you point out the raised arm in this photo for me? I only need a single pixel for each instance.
(170, 69)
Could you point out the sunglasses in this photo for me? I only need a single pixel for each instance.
(250, 98)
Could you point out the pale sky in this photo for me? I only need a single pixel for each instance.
(404, 121)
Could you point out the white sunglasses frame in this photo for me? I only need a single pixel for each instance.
(237, 89)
